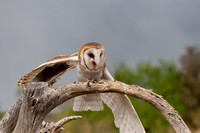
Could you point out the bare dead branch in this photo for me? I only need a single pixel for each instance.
(38, 100)
(57, 127)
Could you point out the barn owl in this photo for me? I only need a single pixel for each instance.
(91, 65)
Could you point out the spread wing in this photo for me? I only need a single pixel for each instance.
(51, 70)
(126, 118)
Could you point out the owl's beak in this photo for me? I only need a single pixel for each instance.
(94, 64)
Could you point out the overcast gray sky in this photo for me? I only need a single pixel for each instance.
(33, 31)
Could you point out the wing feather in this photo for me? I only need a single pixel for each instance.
(126, 118)
(51, 70)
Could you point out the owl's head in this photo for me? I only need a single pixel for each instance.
(92, 56)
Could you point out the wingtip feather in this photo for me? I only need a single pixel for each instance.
(28, 78)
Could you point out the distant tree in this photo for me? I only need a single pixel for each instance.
(190, 61)
(163, 79)
(190, 65)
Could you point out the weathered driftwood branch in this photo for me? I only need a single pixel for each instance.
(9, 120)
(38, 100)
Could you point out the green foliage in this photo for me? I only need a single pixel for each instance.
(162, 79)
(92, 121)
(1, 113)
(97, 121)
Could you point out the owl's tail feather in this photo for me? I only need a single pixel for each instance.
(126, 118)
(88, 102)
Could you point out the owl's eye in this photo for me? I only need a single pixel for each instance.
(91, 55)
(101, 54)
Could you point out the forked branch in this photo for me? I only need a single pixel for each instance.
(57, 127)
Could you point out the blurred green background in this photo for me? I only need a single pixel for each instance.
(178, 83)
